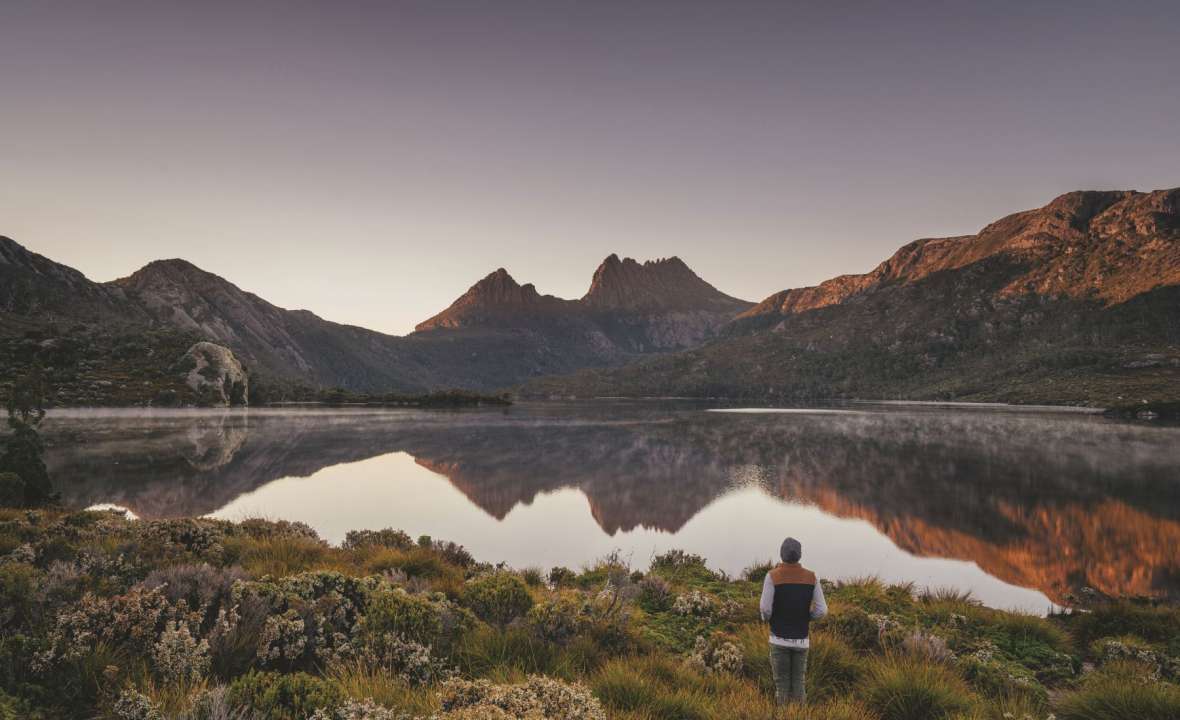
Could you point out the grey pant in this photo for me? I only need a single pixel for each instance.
(789, 666)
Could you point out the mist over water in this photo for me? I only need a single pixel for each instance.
(1022, 508)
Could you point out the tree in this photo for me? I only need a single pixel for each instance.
(23, 453)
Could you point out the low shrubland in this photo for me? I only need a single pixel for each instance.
(200, 619)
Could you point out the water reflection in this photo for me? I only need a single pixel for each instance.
(988, 500)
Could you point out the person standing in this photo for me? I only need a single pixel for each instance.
(791, 598)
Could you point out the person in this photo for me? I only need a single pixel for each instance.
(791, 598)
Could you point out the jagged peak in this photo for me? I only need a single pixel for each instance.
(496, 297)
(662, 283)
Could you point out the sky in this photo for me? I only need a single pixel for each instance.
(370, 160)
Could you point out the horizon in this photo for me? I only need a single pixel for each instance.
(371, 163)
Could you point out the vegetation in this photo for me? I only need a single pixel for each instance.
(202, 619)
(24, 480)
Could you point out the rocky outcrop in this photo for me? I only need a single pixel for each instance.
(215, 375)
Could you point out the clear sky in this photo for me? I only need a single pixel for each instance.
(371, 160)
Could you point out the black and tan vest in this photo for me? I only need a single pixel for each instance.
(794, 588)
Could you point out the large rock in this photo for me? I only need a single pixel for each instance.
(215, 375)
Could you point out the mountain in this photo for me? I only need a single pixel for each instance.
(33, 287)
(498, 301)
(294, 345)
(1077, 301)
(666, 285)
(106, 336)
(630, 309)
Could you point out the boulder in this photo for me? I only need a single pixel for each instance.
(215, 375)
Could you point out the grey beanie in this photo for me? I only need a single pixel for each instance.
(791, 550)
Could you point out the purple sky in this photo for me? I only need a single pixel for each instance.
(370, 160)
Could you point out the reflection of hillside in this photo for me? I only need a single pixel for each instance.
(1045, 503)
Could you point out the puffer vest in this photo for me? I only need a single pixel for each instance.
(794, 588)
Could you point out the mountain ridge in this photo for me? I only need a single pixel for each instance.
(497, 335)
(1074, 302)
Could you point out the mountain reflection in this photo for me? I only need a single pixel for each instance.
(1051, 502)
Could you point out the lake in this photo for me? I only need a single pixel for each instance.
(1021, 507)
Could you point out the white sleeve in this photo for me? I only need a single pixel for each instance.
(766, 603)
(819, 605)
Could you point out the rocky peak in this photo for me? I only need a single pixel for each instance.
(663, 284)
(496, 299)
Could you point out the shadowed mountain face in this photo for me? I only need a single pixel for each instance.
(499, 334)
(1078, 301)
(1046, 502)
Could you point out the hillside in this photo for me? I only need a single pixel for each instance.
(1075, 302)
(101, 339)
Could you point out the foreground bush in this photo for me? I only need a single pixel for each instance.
(497, 598)
(197, 619)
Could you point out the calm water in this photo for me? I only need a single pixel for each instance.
(1019, 507)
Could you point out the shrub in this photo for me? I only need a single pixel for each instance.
(1155, 623)
(12, 490)
(713, 655)
(655, 594)
(396, 612)
(274, 696)
(497, 598)
(682, 566)
(358, 710)
(132, 621)
(558, 619)
(854, 626)
(653, 688)
(538, 696)
(756, 573)
(561, 576)
(927, 646)
(18, 594)
(833, 668)
(1120, 691)
(387, 538)
(179, 657)
(904, 688)
(133, 705)
(201, 586)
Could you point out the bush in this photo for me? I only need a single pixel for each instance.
(12, 490)
(833, 668)
(274, 696)
(904, 688)
(538, 696)
(1120, 691)
(201, 586)
(655, 594)
(715, 655)
(561, 576)
(756, 573)
(398, 627)
(497, 598)
(558, 619)
(22, 456)
(18, 594)
(387, 538)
